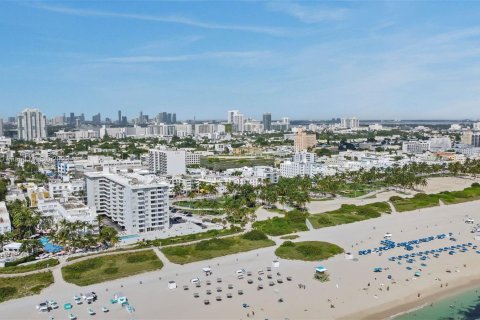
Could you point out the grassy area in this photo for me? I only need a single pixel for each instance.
(30, 267)
(468, 194)
(422, 200)
(191, 237)
(292, 222)
(307, 250)
(22, 286)
(201, 203)
(290, 237)
(92, 254)
(209, 249)
(419, 201)
(349, 213)
(105, 268)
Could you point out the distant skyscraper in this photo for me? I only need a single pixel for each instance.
(231, 114)
(32, 125)
(174, 118)
(169, 118)
(267, 121)
(1, 127)
(119, 117)
(71, 120)
(97, 119)
(349, 123)
(124, 120)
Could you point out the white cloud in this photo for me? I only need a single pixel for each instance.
(308, 14)
(274, 31)
(188, 57)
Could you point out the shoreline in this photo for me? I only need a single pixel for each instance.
(392, 310)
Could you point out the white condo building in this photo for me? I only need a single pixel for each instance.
(415, 146)
(349, 123)
(167, 161)
(135, 202)
(32, 125)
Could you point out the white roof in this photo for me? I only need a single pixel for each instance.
(13, 246)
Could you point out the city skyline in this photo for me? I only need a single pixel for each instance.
(296, 59)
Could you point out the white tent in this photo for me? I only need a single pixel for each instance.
(172, 285)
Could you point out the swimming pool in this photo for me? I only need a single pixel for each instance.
(49, 247)
(130, 236)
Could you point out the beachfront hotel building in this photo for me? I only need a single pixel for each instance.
(137, 203)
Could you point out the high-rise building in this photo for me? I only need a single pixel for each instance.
(174, 118)
(119, 117)
(476, 126)
(97, 119)
(302, 140)
(167, 161)
(231, 115)
(349, 123)
(31, 125)
(1, 127)
(124, 120)
(71, 119)
(137, 203)
(476, 139)
(467, 137)
(267, 121)
(237, 120)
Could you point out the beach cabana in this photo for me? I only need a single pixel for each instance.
(320, 269)
(172, 285)
(377, 269)
(207, 270)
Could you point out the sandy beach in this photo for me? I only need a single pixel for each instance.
(353, 292)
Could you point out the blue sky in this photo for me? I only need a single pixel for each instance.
(305, 60)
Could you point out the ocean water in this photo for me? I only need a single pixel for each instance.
(465, 306)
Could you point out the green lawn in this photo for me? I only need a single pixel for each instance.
(22, 286)
(30, 267)
(191, 237)
(468, 194)
(201, 203)
(293, 221)
(419, 201)
(307, 250)
(110, 267)
(209, 249)
(422, 200)
(349, 213)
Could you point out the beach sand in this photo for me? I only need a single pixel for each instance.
(354, 289)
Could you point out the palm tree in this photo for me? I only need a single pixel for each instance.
(31, 246)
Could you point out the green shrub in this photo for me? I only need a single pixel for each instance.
(7, 292)
(110, 270)
(139, 257)
(254, 235)
(475, 185)
(214, 244)
(20, 261)
(395, 198)
(288, 244)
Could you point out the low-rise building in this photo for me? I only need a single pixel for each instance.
(5, 224)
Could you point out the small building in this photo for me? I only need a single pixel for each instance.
(5, 224)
